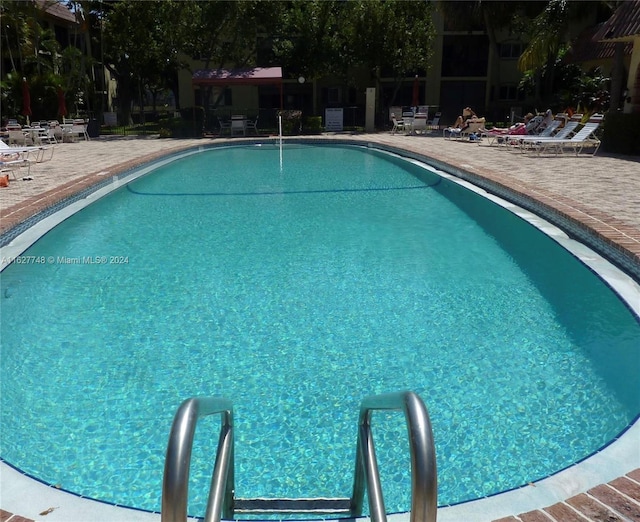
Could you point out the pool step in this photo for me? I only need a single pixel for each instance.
(292, 505)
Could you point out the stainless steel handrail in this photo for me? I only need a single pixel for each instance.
(175, 486)
(424, 477)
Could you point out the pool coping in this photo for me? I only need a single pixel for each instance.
(616, 459)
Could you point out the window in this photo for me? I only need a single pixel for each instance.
(510, 92)
(465, 56)
(333, 95)
(511, 50)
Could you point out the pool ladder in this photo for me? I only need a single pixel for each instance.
(223, 504)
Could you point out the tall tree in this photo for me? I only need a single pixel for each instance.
(395, 34)
(224, 34)
(142, 41)
(549, 37)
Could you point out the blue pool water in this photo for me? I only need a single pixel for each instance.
(295, 289)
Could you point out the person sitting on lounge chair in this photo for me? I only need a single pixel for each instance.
(462, 120)
(548, 118)
(517, 128)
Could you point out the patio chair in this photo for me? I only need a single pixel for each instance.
(585, 137)
(252, 125)
(25, 153)
(419, 124)
(18, 137)
(225, 126)
(238, 125)
(11, 166)
(475, 126)
(79, 128)
(435, 122)
(565, 132)
(507, 138)
(538, 143)
(397, 124)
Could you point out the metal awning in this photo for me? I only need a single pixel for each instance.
(254, 76)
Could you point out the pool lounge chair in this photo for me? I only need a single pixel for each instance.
(11, 166)
(26, 153)
(527, 142)
(584, 138)
(507, 138)
(475, 126)
(434, 124)
(576, 140)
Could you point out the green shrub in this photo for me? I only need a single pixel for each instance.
(189, 125)
(621, 133)
(313, 125)
(291, 122)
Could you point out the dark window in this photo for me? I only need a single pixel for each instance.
(510, 50)
(62, 36)
(465, 55)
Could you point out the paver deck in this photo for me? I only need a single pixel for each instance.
(599, 195)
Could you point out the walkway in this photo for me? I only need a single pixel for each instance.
(597, 197)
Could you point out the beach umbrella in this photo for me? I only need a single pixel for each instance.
(26, 100)
(415, 100)
(62, 104)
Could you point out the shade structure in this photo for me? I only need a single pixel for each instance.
(415, 99)
(253, 76)
(26, 99)
(62, 104)
(229, 77)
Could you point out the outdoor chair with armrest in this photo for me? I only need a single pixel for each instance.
(225, 126)
(435, 122)
(18, 137)
(397, 124)
(252, 125)
(419, 123)
(238, 124)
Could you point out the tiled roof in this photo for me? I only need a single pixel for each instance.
(623, 24)
(56, 10)
(586, 48)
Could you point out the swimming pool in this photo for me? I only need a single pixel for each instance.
(400, 262)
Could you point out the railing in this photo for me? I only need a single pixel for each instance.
(221, 502)
(175, 487)
(424, 481)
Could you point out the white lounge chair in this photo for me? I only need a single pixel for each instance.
(529, 142)
(11, 166)
(435, 122)
(548, 132)
(25, 153)
(585, 137)
(474, 127)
